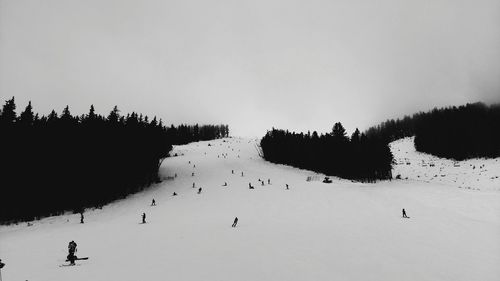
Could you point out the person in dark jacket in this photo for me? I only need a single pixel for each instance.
(404, 214)
(235, 222)
(143, 217)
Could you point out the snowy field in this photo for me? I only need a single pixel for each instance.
(313, 231)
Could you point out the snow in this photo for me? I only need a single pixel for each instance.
(473, 174)
(314, 231)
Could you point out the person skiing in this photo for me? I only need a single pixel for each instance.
(81, 217)
(268, 181)
(404, 214)
(287, 186)
(193, 185)
(235, 222)
(232, 171)
(71, 253)
(241, 173)
(153, 202)
(225, 184)
(72, 247)
(175, 194)
(262, 182)
(143, 217)
(199, 190)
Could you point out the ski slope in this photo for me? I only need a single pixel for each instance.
(313, 231)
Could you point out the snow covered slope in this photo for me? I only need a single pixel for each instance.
(474, 174)
(314, 231)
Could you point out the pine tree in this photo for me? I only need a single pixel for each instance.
(8, 112)
(26, 118)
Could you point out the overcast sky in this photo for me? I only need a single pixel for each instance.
(251, 64)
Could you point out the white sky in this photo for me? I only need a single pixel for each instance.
(251, 64)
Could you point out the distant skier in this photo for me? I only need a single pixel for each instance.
(193, 185)
(232, 171)
(262, 182)
(153, 202)
(404, 214)
(199, 190)
(192, 174)
(268, 181)
(81, 217)
(242, 174)
(235, 222)
(143, 217)
(287, 186)
(225, 184)
(175, 194)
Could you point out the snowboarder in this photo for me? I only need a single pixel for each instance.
(199, 190)
(404, 214)
(286, 186)
(81, 217)
(235, 222)
(175, 194)
(143, 217)
(153, 203)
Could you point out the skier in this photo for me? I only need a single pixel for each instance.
(175, 194)
(287, 186)
(235, 222)
(193, 185)
(199, 190)
(153, 203)
(268, 181)
(241, 173)
(225, 184)
(81, 217)
(192, 174)
(232, 171)
(262, 182)
(143, 217)
(1, 266)
(72, 247)
(404, 214)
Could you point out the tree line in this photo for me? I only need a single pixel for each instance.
(358, 157)
(60, 162)
(463, 132)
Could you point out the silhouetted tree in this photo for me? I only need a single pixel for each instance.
(54, 164)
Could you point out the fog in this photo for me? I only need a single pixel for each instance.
(299, 65)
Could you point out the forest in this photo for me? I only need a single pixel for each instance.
(60, 162)
(357, 157)
(463, 132)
